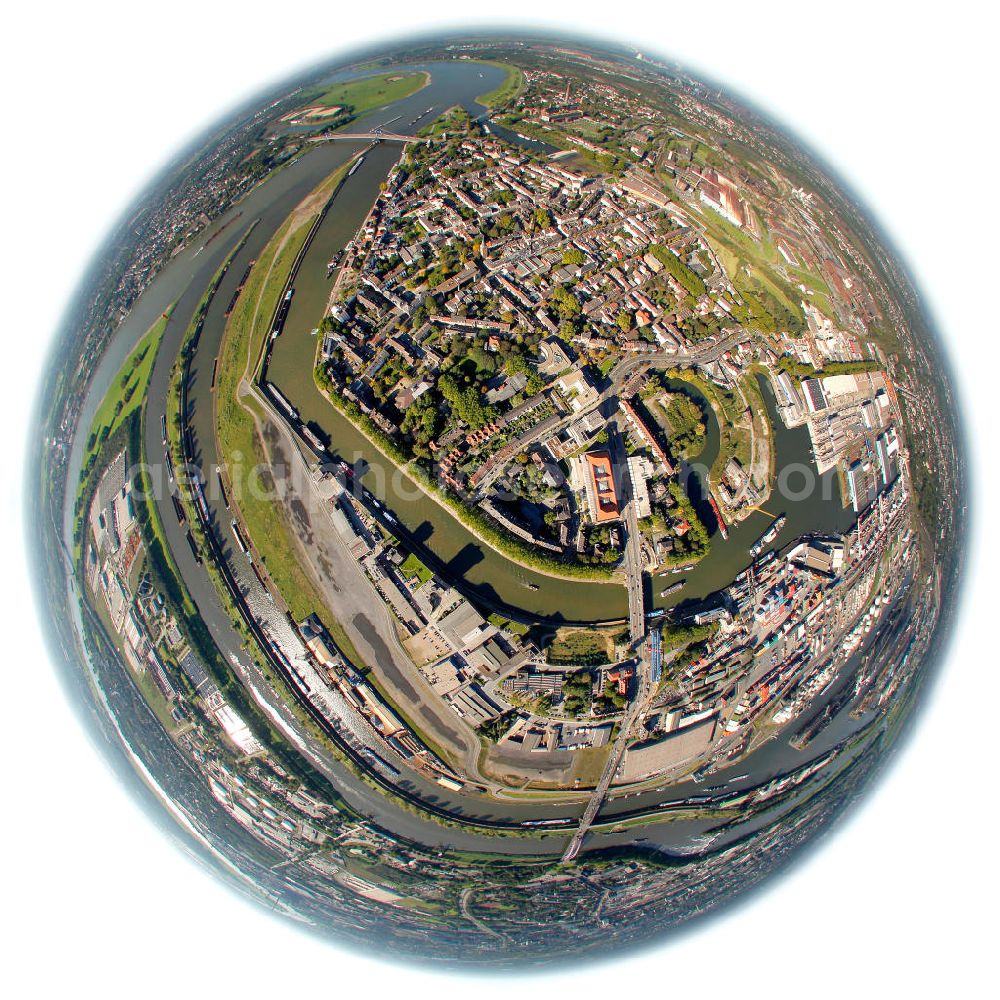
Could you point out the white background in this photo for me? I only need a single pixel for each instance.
(900, 99)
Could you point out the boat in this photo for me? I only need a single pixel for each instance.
(718, 518)
(333, 262)
(672, 589)
(674, 570)
(357, 163)
(769, 536)
(532, 586)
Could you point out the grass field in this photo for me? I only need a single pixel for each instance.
(235, 423)
(512, 85)
(372, 91)
(129, 389)
(739, 252)
(580, 645)
(590, 763)
(412, 566)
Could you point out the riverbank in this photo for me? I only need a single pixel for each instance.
(236, 420)
(365, 94)
(509, 547)
(514, 82)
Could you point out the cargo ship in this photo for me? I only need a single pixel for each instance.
(357, 163)
(279, 320)
(718, 518)
(239, 288)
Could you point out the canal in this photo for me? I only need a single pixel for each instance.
(811, 503)
(191, 271)
(494, 577)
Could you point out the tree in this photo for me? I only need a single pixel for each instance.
(465, 403)
(505, 223)
(678, 270)
(567, 304)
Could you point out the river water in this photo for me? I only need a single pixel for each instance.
(291, 368)
(491, 575)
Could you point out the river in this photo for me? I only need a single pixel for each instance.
(291, 367)
(491, 575)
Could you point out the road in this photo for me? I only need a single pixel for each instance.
(637, 631)
(632, 561)
(633, 714)
(374, 134)
(680, 359)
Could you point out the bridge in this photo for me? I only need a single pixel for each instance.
(633, 715)
(647, 673)
(378, 135)
(633, 555)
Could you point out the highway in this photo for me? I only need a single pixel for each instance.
(376, 134)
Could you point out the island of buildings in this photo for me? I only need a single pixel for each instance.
(549, 339)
